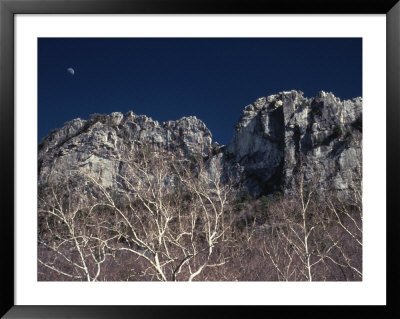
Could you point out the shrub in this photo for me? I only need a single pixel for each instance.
(357, 124)
(337, 132)
(319, 140)
(98, 117)
(229, 156)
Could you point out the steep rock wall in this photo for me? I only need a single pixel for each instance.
(277, 139)
(99, 146)
(283, 134)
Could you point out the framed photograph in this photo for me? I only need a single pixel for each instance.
(187, 156)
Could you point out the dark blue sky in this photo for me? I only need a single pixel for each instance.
(211, 78)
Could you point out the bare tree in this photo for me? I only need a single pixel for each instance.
(168, 214)
(175, 215)
(70, 238)
(171, 219)
(312, 234)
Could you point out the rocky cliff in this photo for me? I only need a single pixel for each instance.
(275, 138)
(287, 133)
(98, 146)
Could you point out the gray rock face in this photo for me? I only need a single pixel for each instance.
(98, 146)
(276, 138)
(286, 133)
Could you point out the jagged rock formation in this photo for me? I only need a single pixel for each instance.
(275, 138)
(287, 133)
(98, 146)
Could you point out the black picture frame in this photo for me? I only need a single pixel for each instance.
(8, 8)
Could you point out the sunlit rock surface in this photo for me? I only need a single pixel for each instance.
(277, 139)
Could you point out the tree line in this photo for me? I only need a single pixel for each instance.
(171, 220)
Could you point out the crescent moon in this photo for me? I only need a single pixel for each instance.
(71, 71)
